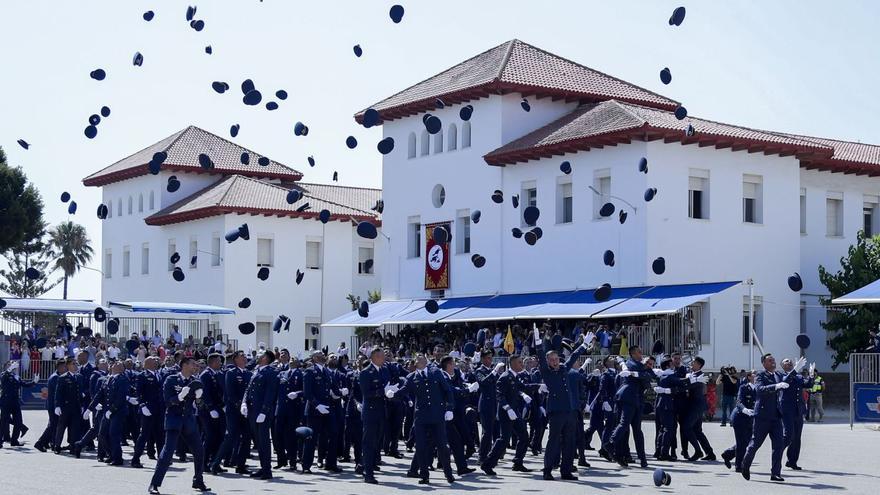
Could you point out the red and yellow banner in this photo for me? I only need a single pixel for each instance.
(436, 258)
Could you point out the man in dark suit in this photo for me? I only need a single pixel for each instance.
(513, 403)
(47, 438)
(236, 441)
(179, 392)
(151, 410)
(742, 422)
(665, 409)
(487, 376)
(373, 382)
(10, 403)
(259, 408)
(288, 414)
(318, 392)
(117, 411)
(636, 377)
(68, 399)
(793, 412)
(697, 405)
(768, 416)
(211, 414)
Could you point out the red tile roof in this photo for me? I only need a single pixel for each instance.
(848, 157)
(239, 194)
(518, 67)
(183, 149)
(613, 122)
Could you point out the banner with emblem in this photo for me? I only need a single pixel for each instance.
(436, 258)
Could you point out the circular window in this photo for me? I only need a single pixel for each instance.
(438, 197)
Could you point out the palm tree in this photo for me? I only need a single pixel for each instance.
(73, 247)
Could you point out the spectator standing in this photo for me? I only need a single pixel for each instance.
(113, 351)
(816, 397)
(729, 382)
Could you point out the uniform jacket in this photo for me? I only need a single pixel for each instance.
(768, 405)
(371, 384)
(176, 411)
(431, 393)
(289, 381)
(67, 395)
(10, 389)
(509, 388)
(632, 388)
(236, 382)
(317, 384)
(262, 392)
(212, 391)
(149, 391)
(118, 389)
(560, 397)
(488, 397)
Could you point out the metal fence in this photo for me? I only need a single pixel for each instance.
(864, 387)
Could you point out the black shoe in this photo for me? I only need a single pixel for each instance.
(40, 447)
(423, 481)
(486, 469)
(793, 466)
(242, 470)
(136, 464)
(151, 456)
(280, 466)
(412, 474)
(450, 478)
(582, 462)
(217, 470)
(746, 474)
(24, 430)
(371, 480)
(266, 476)
(548, 476)
(695, 457)
(777, 478)
(116, 463)
(643, 463)
(605, 454)
(710, 457)
(379, 467)
(726, 461)
(257, 473)
(200, 486)
(333, 469)
(306, 471)
(152, 490)
(569, 477)
(345, 459)
(467, 470)
(358, 470)
(738, 470)
(519, 467)
(182, 458)
(76, 450)
(622, 461)
(396, 455)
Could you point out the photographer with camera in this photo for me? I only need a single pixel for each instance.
(728, 380)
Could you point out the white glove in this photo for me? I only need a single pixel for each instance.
(322, 409)
(499, 368)
(657, 372)
(542, 389)
(799, 364)
(588, 360)
(634, 374)
(526, 398)
(86, 414)
(448, 416)
(596, 372)
(293, 395)
(662, 390)
(261, 418)
(392, 388)
(537, 334)
(667, 372)
(586, 408)
(473, 387)
(389, 393)
(781, 386)
(606, 407)
(511, 414)
(359, 406)
(589, 337)
(748, 412)
(36, 378)
(133, 401)
(146, 411)
(243, 409)
(199, 393)
(410, 403)
(214, 413)
(107, 415)
(183, 393)
(98, 407)
(660, 358)
(57, 411)
(344, 391)
(812, 370)
(543, 411)
(624, 373)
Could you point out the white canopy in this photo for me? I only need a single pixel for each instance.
(61, 306)
(866, 295)
(165, 307)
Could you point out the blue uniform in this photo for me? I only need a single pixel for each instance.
(607, 392)
(180, 422)
(793, 412)
(693, 424)
(212, 402)
(371, 387)
(260, 397)
(236, 441)
(630, 400)
(288, 416)
(433, 398)
(68, 398)
(10, 405)
(318, 390)
(742, 423)
(561, 404)
(665, 411)
(395, 412)
(48, 437)
(537, 412)
(488, 409)
(768, 420)
(148, 390)
(118, 389)
(510, 390)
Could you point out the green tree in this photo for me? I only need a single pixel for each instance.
(847, 326)
(21, 208)
(35, 254)
(373, 296)
(73, 247)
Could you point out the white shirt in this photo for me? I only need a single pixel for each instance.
(59, 352)
(342, 351)
(499, 337)
(113, 352)
(46, 354)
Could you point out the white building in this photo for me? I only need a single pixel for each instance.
(147, 224)
(732, 203)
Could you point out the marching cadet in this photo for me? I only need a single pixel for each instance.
(538, 411)
(10, 403)
(595, 424)
(117, 410)
(259, 409)
(179, 392)
(561, 436)
(236, 441)
(99, 427)
(372, 386)
(211, 414)
(665, 409)
(339, 392)
(768, 415)
(68, 399)
(148, 388)
(693, 426)
(742, 422)
(47, 438)
(487, 376)
(395, 410)
(318, 391)
(793, 412)
(455, 426)
(604, 400)
(636, 377)
(513, 402)
(354, 425)
(288, 415)
(577, 381)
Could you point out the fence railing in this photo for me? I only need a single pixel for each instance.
(864, 387)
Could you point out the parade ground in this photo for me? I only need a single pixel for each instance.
(834, 458)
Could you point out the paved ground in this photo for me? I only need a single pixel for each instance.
(834, 458)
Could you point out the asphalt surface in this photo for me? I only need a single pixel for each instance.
(834, 458)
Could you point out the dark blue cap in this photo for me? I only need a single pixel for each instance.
(441, 234)
(677, 16)
(113, 326)
(681, 112)
(367, 230)
(24, 144)
(802, 341)
(311, 161)
(100, 314)
(607, 210)
(178, 274)
(220, 86)
(246, 328)
(209, 50)
(175, 257)
(525, 105)
(157, 161)
(252, 98)
(795, 283)
(602, 293)
(433, 124)
(498, 196)
(304, 207)
(364, 309)
(71, 208)
(358, 51)
(466, 112)
(650, 193)
(335, 176)
(298, 129)
(386, 145)
(32, 273)
(65, 197)
(643, 165)
(247, 86)
(190, 12)
(148, 15)
(173, 184)
(197, 25)
(351, 142)
(324, 216)
(396, 13)
(263, 161)
(608, 258)
(94, 119)
(659, 266)
(293, 196)
(91, 131)
(517, 233)
(431, 306)
(138, 59)
(690, 131)
(281, 94)
(304, 432)
(105, 111)
(666, 75)
(98, 74)
(565, 167)
(299, 276)
(531, 214)
(102, 211)
(245, 158)
(514, 200)
(263, 273)
(205, 161)
(475, 216)
(244, 303)
(371, 118)
(233, 131)
(531, 237)
(478, 260)
(271, 106)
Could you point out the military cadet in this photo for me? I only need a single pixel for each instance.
(10, 403)
(211, 414)
(577, 381)
(455, 426)
(742, 422)
(595, 424)
(236, 441)
(604, 401)
(95, 409)
(395, 410)
(768, 415)
(179, 392)
(46, 440)
(288, 415)
(793, 412)
(84, 375)
(148, 389)
(373, 384)
(339, 392)
(538, 411)
(259, 409)
(680, 401)
(318, 391)
(487, 375)
(629, 398)
(68, 399)
(117, 410)
(513, 403)
(354, 425)
(665, 408)
(697, 405)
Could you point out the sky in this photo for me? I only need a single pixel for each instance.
(802, 66)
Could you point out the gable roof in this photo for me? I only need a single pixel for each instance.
(848, 157)
(245, 195)
(614, 122)
(183, 149)
(514, 66)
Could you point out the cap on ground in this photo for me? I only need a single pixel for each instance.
(661, 477)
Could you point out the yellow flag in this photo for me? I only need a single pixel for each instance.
(508, 341)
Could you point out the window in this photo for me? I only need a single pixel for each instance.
(193, 253)
(870, 217)
(411, 153)
(145, 258)
(108, 264)
(602, 185)
(466, 135)
(438, 142)
(414, 237)
(438, 196)
(452, 137)
(463, 232)
(365, 254)
(215, 250)
(758, 319)
(426, 143)
(564, 210)
(172, 248)
(312, 334)
(119, 207)
(264, 333)
(752, 199)
(265, 252)
(698, 194)
(803, 316)
(110, 210)
(313, 255)
(528, 196)
(834, 214)
(126, 261)
(130, 205)
(152, 201)
(803, 210)
(141, 203)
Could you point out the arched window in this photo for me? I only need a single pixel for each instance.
(141, 203)
(426, 143)
(119, 207)
(452, 138)
(466, 135)
(438, 142)
(152, 201)
(130, 204)
(412, 145)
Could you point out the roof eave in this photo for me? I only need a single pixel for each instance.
(211, 211)
(141, 170)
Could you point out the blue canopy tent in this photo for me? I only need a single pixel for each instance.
(380, 312)
(177, 308)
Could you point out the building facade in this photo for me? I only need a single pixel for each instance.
(147, 224)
